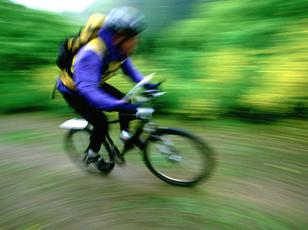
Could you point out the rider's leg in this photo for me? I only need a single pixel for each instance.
(94, 116)
(124, 116)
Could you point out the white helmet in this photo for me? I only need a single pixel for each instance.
(126, 20)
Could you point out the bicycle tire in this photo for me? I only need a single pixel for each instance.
(158, 162)
(76, 143)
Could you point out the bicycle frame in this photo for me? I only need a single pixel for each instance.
(135, 140)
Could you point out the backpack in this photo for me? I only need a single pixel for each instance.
(70, 46)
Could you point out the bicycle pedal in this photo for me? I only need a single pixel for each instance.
(90, 160)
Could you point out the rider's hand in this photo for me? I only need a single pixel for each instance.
(144, 113)
(152, 86)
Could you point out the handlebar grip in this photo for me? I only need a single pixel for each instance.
(135, 89)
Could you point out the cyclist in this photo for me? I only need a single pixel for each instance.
(92, 67)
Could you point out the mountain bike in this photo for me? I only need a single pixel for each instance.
(173, 155)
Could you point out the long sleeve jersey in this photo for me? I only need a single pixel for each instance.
(91, 69)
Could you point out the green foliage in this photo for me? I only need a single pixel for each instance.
(246, 57)
(241, 57)
(28, 39)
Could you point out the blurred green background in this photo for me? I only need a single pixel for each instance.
(223, 59)
(240, 58)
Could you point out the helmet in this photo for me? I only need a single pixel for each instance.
(126, 20)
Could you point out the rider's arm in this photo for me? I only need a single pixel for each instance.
(129, 69)
(87, 76)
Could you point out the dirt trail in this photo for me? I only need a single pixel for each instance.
(260, 182)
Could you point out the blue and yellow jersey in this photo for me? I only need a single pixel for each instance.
(95, 63)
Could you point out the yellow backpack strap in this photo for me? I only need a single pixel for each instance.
(98, 46)
(67, 80)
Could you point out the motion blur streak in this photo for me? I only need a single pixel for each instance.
(236, 75)
(260, 181)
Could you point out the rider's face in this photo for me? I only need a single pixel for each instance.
(129, 45)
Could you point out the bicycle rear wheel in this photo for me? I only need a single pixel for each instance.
(76, 144)
(178, 157)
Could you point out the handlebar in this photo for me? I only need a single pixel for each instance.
(136, 88)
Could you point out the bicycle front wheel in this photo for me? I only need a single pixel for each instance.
(178, 157)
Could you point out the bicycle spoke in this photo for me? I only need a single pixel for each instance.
(178, 158)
